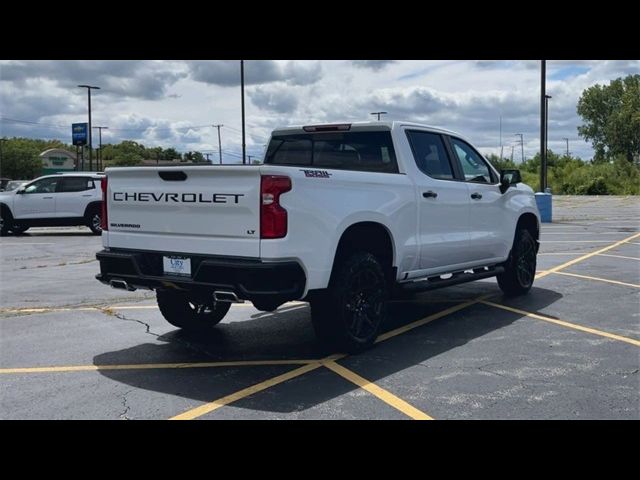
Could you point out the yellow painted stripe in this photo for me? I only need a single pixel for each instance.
(618, 256)
(574, 241)
(430, 318)
(245, 392)
(258, 387)
(562, 253)
(47, 309)
(588, 255)
(384, 395)
(151, 366)
(581, 233)
(587, 277)
(574, 326)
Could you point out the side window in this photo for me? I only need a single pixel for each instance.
(290, 150)
(474, 167)
(46, 185)
(430, 154)
(77, 184)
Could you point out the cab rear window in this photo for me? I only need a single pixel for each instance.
(360, 151)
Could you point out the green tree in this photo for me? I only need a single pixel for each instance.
(127, 159)
(501, 163)
(19, 157)
(611, 115)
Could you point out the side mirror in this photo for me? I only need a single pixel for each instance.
(20, 191)
(508, 178)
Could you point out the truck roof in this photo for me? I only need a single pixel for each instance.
(368, 125)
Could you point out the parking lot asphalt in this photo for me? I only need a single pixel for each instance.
(72, 348)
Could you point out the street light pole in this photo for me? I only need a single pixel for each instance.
(543, 125)
(546, 132)
(378, 114)
(244, 147)
(89, 88)
(99, 156)
(567, 140)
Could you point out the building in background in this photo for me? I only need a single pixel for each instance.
(57, 160)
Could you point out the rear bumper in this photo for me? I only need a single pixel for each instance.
(249, 279)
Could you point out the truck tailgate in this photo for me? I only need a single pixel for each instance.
(204, 210)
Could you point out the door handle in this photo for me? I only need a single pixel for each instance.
(87, 195)
(476, 196)
(429, 194)
(47, 198)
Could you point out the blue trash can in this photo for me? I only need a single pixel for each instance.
(543, 200)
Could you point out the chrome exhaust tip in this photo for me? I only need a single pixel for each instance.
(121, 285)
(224, 296)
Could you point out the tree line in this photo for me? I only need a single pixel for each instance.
(19, 156)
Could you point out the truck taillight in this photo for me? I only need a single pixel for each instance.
(104, 222)
(273, 218)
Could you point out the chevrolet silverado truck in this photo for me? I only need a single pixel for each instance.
(343, 216)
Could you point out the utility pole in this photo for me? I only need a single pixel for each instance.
(218, 127)
(89, 88)
(567, 140)
(512, 153)
(543, 125)
(521, 145)
(378, 114)
(244, 147)
(99, 157)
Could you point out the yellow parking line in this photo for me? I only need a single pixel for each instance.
(384, 395)
(47, 310)
(565, 324)
(588, 255)
(574, 241)
(616, 282)
(245, 392)
(562, 253)
(153, 366)
(581, 233)
(430, 318)
(618, 256)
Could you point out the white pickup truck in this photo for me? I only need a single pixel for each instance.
(344, 216)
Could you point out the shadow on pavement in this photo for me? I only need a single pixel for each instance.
(288, 335)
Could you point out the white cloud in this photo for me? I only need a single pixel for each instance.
(156, 102)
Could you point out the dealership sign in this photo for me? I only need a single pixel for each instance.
(79, 133)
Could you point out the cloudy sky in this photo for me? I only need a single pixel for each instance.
(174, 103)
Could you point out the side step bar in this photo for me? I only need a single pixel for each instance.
(432, 283)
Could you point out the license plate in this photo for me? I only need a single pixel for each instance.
(177, 265)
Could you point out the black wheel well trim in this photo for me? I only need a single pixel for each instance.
(387, 257)
(530, 222)
(95, 204)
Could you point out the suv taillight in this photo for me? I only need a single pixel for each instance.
(273, 218)
(104, 221)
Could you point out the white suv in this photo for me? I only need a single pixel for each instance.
(53, 200)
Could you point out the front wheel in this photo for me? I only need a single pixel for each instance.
(182, 312)
(520, 269)
(350, 314)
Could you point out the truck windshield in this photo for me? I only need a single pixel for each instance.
(362, 151)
